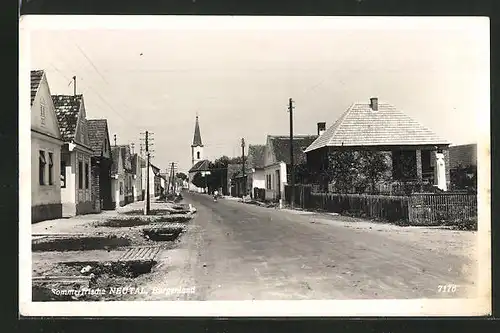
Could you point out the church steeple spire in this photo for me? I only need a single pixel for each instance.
(197, 136)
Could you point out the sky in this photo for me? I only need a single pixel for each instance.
(238, 79)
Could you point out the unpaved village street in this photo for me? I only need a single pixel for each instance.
(238, 251)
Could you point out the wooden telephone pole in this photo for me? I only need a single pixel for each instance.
(147, 206)
(292, 167)
(243, 166)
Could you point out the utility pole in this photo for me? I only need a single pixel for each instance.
(74, 85)
(172, 177)
(292, 167)
(243, 166)
(147, 206)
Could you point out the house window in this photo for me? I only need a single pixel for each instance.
(42, 111)
(86, 175)
(198, 155)
(51, 169)
(63, 174)
(121, 188)
(80, 174)
(41, 167)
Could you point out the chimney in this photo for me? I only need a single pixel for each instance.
(321, 128)
(374, 103)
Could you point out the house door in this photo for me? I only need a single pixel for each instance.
(278, 184)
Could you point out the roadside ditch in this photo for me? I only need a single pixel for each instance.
(104, 263)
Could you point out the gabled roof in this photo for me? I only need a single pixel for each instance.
(281, 147)
(67, 109)
(202, 165)
(156, 170)
(36, 78)
(463, 155)
(115, 155)
(98, 131)
(126, 157)
(133, 161)
(256, 156)
(360, 126)
(197, 135)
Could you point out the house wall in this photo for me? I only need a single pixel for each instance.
(118, 196)
(277, 185)
(45, 199)
(68, 192)
(95, 189)
(138, 181)
(83, 194)
(105, 191)
(258, 179)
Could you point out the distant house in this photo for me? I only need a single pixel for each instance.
(76, 155)
(414, 153)
(202, 167)
(129, 174)
(233, 170)
(101, 164)
(277, 162)
(257, 177)
(138, 183)
(46, 146)
(157, 179)
(117, 177)
(123, 175)
(463, 167)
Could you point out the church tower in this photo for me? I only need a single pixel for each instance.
(197, 146)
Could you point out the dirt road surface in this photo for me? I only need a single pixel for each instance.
(237, 251)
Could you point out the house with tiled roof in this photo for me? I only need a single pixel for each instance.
(252, 181)
(101, 162)
(46, 143)
(202, 167)
(414, 152)
(137, 163)
(76, 155)
(277, 161)
(122, 174)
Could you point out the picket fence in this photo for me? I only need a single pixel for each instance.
(415, 209)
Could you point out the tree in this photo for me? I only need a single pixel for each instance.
(182, 176)
(343, 170)
(374, 167)
(356, 170)
(199, 180)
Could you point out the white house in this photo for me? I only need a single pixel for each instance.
(277, 162)
(46, 146)
(137, 162)
(76, 155)
(201, 167)
(257, 177)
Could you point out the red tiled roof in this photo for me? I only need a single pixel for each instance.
(36, 78)
(67, 108)
(359, 125)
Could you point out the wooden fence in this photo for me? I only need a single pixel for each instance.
(415, 209)
(442, 208)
